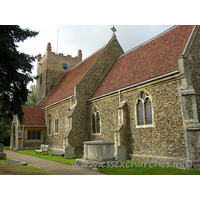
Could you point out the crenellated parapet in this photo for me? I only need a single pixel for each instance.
(51, 67)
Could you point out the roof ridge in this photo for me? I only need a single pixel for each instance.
(32, 106)
(149, 40)
(69, 71)
(87, 58)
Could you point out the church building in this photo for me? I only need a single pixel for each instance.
(147, 99)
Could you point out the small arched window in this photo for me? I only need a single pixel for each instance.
(96, 121)
(93, 123)
(56, 124)
(144, 109)
(49, 126)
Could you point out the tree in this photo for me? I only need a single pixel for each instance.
(31, 96)
(5, 131)
(15, 70)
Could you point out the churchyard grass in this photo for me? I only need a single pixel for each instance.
(10, 169)
(120, 171)
(48, 156)
(157, 170)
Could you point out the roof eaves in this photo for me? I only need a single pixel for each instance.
(58, 102)
(135, 85)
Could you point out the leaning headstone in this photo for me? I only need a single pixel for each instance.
(121, 153)
(78, 152)
(2, 156)
(1, 147)
(69, 152)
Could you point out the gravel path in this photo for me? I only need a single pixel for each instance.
(51, 166)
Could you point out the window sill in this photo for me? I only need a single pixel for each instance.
(34, 140)
(96, 133)
(145, 126)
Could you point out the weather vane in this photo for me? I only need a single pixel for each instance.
(113, 30)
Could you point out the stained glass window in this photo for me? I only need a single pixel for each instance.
(140, 113)
(33, 135)
(144, 109)
(29, 135)
(56, 124)
(98, 122)
(148, 111)
(93, 123)
(38, 135)
(49, 126)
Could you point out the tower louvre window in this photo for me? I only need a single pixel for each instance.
(41, 80)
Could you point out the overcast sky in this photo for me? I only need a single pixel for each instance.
(88, 38)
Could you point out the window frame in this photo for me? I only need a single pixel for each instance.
(143, 100)
(56, 124)
(36, 134)
(96, 122)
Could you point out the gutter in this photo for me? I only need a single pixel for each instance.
(58, 102)
(135, 85)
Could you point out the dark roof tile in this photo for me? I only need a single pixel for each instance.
(155, 58)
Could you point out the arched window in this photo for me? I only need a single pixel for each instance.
(96, 121)
(49, 126)
(56, 124)
(144, 109)
(93, 123)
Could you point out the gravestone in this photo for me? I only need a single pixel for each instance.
(16, 162)
(121, 153)
(78, 152)
(69, 152)
(2, 156)
(1, 147)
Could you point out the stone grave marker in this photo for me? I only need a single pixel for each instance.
(1, 147)
(121, 153)
(2, 156)
(78, 152)
(69, 152)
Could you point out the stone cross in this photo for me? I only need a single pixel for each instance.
(113, 30)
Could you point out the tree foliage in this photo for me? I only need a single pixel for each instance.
(15, 70)
(5, 131)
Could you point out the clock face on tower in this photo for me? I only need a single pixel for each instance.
(65, 66)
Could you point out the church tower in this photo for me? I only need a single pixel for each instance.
(50, 69)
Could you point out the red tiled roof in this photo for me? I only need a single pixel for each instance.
(33, 116)
(157, 57)
(65, 88)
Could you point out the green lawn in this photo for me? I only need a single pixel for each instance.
(60, 159)
(120, 171)
(157, 170)
(10, 169)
